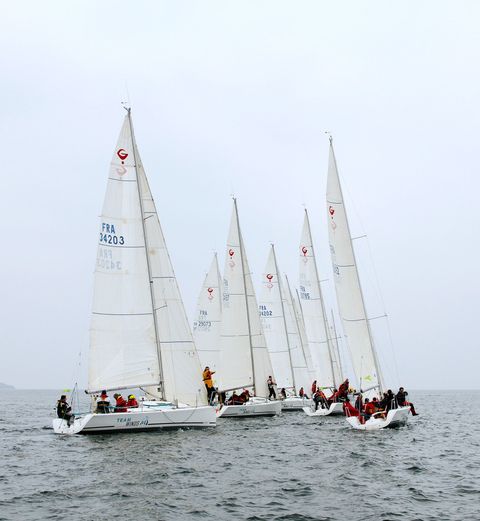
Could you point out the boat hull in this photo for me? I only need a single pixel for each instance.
(138, 420)
(295, 403)
(394, 419)
(335, 409)
(250, 409)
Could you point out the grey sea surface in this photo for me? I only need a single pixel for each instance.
(288, 468)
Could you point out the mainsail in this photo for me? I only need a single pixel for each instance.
(347, 285)
(206, 328)
(244, 358)
(140, 335)
(314, 312)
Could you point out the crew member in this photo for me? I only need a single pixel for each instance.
(132, 402)
(103, 403)
(207, 379)
(271, 388)
(121, 404)
(402, 401)
(64, 411)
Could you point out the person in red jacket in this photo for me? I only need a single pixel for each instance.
(368, 408)
(120, 403)
(132, 402)
(314, 387)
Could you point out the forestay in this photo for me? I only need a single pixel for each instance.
(244, 358)
(140, 335)
(347, 285)
(314, 312)
(206, 328)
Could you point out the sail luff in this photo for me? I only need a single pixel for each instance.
(152, 296)
(362, 341)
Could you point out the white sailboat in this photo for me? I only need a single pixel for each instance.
(244, 358)
(324, 353)
(352, 306)
(139, 335)
(281, 333)
(206, 327)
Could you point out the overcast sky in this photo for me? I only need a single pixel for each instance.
(235, 97)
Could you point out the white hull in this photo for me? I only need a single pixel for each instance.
(395, 418)
(136, 420)
(250, 409)
(335, 409)
(295, 403)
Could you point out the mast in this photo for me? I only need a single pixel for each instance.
(374, 352)
(152, 297)
(322, 304)
(240, 240)
(284, 320)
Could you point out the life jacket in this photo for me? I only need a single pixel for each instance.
(121, 404)
(132, 403)
(369, 408)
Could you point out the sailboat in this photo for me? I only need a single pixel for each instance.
(244, 358)
(139, 335)
(351, 305)
(206, 328)
(325, 354)
(282, 337)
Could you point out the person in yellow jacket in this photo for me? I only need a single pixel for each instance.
(207, 379)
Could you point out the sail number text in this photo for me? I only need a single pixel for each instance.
(108, 235)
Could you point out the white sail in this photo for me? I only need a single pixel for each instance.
(272, 313)
(206, 327)
(140, 335)
(347, 285)
(314, 311)
(244, 358)
(123, 349)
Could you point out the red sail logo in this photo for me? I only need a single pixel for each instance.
(269, 277)
(122, 154)
(304, 251)
(231, 253)
(331, 210)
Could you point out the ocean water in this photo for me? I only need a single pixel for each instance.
(287, 468)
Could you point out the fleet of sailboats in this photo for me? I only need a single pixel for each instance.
(140, 337)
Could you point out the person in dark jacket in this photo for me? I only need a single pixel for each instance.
(64, 411)
(103, 404)
(402, 401)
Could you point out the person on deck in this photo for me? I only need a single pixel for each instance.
(402, 401)
(132, 402)
(207, 380)
(314, 387)
(320, 398)
(368, 409)
(349, 409)
(283, 394)
(390, 401)
(64, 411)
(245, 396)
(271, 388)
(342, 392)
(120, 403)
(103, 403)
(302, 393)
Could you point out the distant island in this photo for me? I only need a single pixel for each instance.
(5, 387)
